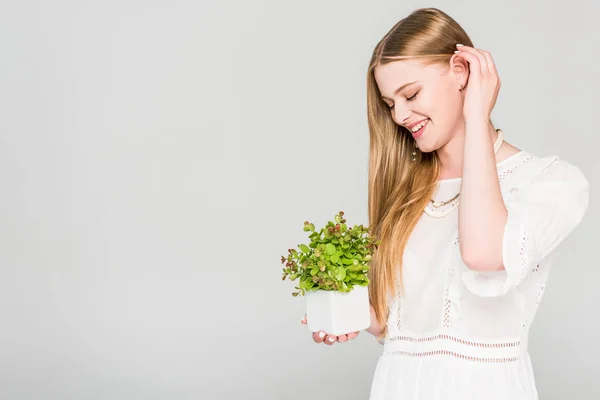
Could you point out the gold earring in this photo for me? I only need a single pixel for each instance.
(414, 154)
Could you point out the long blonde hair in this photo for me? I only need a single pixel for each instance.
(399, 188)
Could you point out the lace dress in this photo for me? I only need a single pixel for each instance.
(455, 333)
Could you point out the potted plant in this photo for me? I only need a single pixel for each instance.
(332, 272)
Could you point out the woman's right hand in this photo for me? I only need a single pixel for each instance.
(328, 339)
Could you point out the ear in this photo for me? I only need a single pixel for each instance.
(459, 67)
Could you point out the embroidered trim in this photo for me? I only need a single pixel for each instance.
(455, 339)
(399, 298)
(454, 354)
(523, 253)
(447, 318)
(512, 169)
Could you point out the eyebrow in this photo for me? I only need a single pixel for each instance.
(400, 89)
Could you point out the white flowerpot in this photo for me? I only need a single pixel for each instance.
(336, 312)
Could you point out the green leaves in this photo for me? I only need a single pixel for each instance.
(330, 248)
(304, 248)
(347, 261)
(337, 257)
(340, 273)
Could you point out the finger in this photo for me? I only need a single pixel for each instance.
(331, 339)
(352, 335)
(342, 338)
(474, 58)
(319, 337)
(490, 62)
(474, 66)
(482, 60)
(485, 61)
(478, 53)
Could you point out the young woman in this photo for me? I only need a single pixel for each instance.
(468, 223)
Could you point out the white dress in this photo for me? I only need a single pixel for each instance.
(459, 334)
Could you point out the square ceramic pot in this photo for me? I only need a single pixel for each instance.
(336, 312)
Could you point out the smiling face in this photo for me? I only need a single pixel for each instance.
(429, 98)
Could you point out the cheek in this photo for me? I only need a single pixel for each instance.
(444, 106)
(430, 105)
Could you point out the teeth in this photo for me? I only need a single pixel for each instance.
(419, 126)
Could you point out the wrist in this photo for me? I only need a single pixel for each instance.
(476, 122)
(374, 330)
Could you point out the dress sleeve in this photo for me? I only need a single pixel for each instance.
(540, 216)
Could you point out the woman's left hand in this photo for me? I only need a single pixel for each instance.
(483, 85)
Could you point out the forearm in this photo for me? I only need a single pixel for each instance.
(481, 214)
(374, 329)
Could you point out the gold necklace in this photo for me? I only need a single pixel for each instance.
(443, 203)
(434, 204)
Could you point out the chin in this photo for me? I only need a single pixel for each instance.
(425, 146)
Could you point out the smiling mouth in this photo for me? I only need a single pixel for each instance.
(418, 129)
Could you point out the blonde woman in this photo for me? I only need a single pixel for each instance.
(468, 223)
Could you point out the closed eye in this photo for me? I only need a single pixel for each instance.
(414, 96)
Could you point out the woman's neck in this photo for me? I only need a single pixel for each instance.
(451, 154)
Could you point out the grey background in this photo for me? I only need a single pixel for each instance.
(158, 157)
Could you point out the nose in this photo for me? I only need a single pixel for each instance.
(401, 114)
